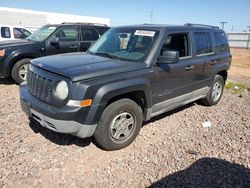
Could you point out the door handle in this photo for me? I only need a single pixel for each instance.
(213, 62)
(189, 67)
(73, 46)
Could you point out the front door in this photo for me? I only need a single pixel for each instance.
(67, 41)
(174, 82)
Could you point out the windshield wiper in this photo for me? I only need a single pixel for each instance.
(106, 55)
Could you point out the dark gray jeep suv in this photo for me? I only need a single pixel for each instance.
(128, 76)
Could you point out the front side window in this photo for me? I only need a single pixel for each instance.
(20, 33)
(89, 34)
(177, 42)
(221, 42)
(125, 43)
(203, 43)
(41, 34)
(5, 32)
(69, 34)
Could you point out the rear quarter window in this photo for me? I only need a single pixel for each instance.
(221, 42)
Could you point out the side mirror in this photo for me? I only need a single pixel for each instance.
(169, 57)
(54, 40)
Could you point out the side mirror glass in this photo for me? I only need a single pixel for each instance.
(168, 57)
(54, 40)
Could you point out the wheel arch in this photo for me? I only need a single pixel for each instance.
(223, 74)
(136, 90)
(20, 57)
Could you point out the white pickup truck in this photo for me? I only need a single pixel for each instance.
(8, 32)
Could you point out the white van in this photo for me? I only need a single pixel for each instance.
(13, 32)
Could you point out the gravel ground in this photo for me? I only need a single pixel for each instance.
(172, 149)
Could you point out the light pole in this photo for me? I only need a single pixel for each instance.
(222, 24)
(248, 28)
(151, 16)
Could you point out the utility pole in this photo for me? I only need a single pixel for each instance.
(222, 24)
(151, 16)
(248, 41)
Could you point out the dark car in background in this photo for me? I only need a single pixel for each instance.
(48, 40)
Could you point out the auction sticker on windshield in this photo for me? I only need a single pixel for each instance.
(145, 33)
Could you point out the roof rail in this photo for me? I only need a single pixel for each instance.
(201, 25)
(84, 23)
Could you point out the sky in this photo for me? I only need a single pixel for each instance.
(212, 12)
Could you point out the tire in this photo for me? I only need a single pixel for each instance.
(215, 92)
(19, 70)
(119, 125)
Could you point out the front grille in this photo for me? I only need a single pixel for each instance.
(39, 86)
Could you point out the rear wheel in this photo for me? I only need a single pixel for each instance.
(119, 125)
(19, 70)
(215, 92)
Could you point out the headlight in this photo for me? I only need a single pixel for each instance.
(2, 53)
(61, 90)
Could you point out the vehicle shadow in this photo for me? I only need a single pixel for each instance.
(6, 81)
(208, 172)
(59, 138)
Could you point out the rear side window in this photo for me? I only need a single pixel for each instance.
(89, 34)
(221, 42)
(203, 43)
(5, 32)
(102, 30)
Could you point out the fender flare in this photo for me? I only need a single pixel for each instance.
(16, 56)
(219, 68)
(107, 92)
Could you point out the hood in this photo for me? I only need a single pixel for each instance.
(80, 66)
(15, 43)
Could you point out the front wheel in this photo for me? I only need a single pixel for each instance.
(215, 92)
(19, 70)
(119, 125)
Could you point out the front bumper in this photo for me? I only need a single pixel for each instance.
(68, 126)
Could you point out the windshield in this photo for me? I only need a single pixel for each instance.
(125, 43)
(42, 33)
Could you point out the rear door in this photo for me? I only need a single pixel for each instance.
(68, 41)
(204, 58)
(89, 35)
(174, 82)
